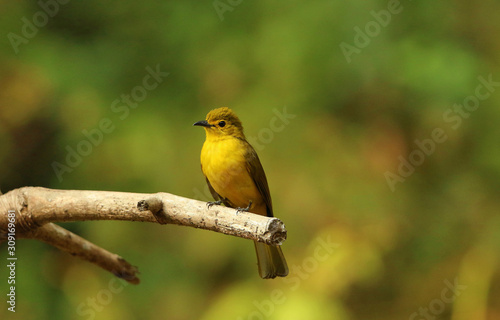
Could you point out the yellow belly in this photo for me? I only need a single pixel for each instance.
(224, 164)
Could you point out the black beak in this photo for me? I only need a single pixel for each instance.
(203, 123)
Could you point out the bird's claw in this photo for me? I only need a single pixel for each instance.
(211, 203)
(238, 210)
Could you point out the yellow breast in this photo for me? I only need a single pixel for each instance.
(224, 164)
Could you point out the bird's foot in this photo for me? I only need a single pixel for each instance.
(238, 210)
(211, 203)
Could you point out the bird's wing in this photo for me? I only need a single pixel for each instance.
(258, 175)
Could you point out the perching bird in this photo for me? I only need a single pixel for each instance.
(236, 178)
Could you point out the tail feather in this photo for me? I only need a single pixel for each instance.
(271, 261)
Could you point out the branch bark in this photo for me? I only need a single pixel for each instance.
(37, 209)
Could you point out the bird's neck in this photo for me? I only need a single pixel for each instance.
(210, 137)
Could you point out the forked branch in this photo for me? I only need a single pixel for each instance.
(37, 209)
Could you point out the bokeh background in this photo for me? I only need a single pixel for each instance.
(426, 245)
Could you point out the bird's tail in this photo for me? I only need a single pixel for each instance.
(271, 261)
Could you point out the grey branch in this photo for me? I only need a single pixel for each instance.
(37, 209)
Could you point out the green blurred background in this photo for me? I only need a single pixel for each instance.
(393, 254)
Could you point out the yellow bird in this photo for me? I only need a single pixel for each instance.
(236, 178)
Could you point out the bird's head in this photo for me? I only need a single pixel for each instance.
(222, 122)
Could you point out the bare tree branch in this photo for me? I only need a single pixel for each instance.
(36, 209)
(67, 241)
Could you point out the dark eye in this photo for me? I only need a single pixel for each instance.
(222, 123)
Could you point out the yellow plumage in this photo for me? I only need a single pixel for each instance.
(235, 176)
